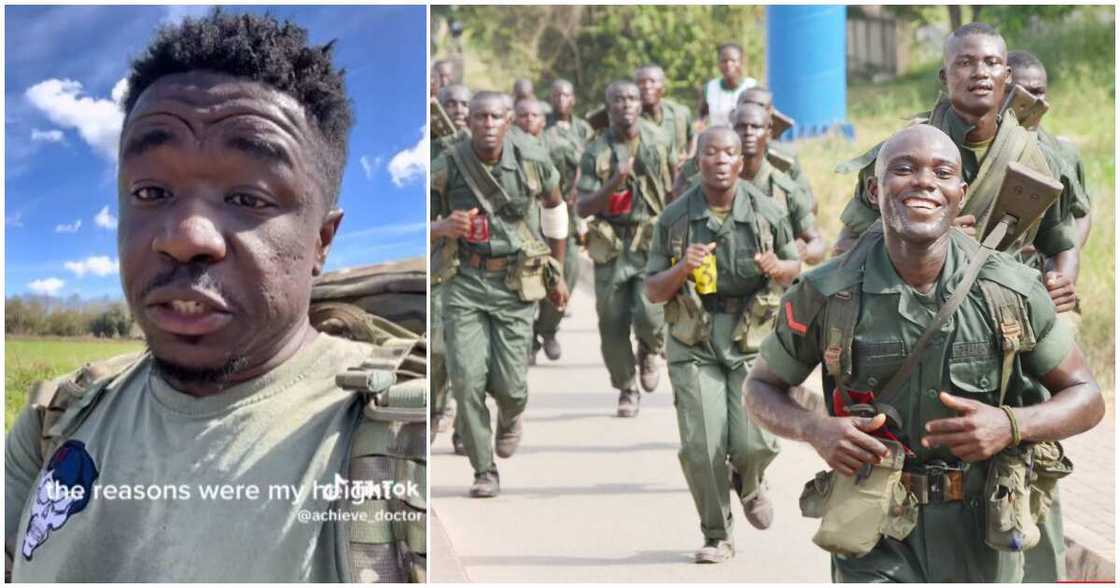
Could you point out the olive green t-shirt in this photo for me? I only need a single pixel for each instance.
(147, 453)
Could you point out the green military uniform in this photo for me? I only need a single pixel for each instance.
(1056, 231)
(577, 126)
(707, 377)
(787, 161)
(964, 358)
(676, 122)
(488, 327)
(619, 298)
(565, 149)
(1067, 153)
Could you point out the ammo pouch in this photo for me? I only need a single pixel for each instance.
(688, 322)
(445, 261)
(758, 320)
(1008, 524)
(1050, 465)
(856, 511)
(603, 245)
(643, 239)
(526, 276)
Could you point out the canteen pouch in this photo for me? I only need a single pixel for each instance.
(688, 322)
(757, 321)
(1008, 524)
(858, 508)
(602, 243)
(445, 261)
(644, 237)
(526, 276)
(814, 496)
(1050, 465)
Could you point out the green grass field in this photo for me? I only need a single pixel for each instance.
(28, 360)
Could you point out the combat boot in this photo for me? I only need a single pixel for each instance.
(457, 444)
(507, 440)
(486, 485)
(552, 348)
(647, 368)
(628, 401)
(715, 551)
(759, 509)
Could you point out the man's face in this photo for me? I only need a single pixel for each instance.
(976, 73)
(457, 104)
(530, 118)
(522, 89)
(442, 75)
(488, 122)
(752, 124)
(651, 85)
(624, 106)
(1032, 79)
(720, 159)
(563, 99)
(920, 191)
(730, 63)
(222, 221)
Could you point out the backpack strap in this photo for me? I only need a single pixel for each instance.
(387, 542)
(1009, 316)
(841, 316)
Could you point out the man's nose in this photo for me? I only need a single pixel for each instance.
(924, 178)
(191, 235)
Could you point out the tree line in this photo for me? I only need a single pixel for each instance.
(45, 316)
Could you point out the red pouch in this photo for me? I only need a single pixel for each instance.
(620, 203)
(480, 229)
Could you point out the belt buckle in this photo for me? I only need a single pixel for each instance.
(935, 480)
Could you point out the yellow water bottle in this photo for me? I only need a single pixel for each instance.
(705, 275)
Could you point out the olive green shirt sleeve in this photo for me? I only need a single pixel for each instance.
(22, 462)
(436, 187)
(550, 177)
(659, 258)
(800, 212)
(1054, 337)
(792, 350)
(1057, 230)
(588, 179)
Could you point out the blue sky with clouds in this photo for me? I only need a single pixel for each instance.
(64, 71)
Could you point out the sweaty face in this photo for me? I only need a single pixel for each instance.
(752, 124)
(976, 74)
(457, 105)
(488, 122)
(530, 118)
(624, 106)
(1032, 79)
(562, 100)
(651, 86)
(730, 63)
(220, 220)
(720, 159)
(921, 189)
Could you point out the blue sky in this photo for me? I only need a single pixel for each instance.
(66, 64)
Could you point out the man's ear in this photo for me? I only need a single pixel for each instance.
(327, 231)
(941, 76)
(873, 192)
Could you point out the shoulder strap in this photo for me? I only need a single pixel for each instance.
(1011, 323)
(884, 400)
(1009, 145)
(388, 451)
(841, 316)
(478, 179)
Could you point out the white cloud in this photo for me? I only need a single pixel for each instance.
(97, 120)
(105, 219)
(71, 228)
(51, 136)
(49, 286)
(98, 265)
(411, 164)
(370, 166)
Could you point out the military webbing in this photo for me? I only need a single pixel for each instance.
(1009, 145)
(441, 122)
(883, 401)
(621, 153)
(1010, 321)
(763, 235)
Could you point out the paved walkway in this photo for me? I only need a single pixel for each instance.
(593, 498)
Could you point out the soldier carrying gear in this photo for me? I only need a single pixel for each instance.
(946, 373)
(674, 118)
(717, 253)
(493, 198)
(624, 178)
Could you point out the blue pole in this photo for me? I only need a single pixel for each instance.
(806, 67)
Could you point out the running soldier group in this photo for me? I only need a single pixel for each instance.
(945, 322)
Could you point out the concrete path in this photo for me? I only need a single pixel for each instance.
(593, 498)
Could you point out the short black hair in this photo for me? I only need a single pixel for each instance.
(261, 49)
(617, 85)
(968, 30)
(734, 46)
(1021, 59)
(487, 95)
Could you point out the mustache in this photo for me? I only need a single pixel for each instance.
(195, 275)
